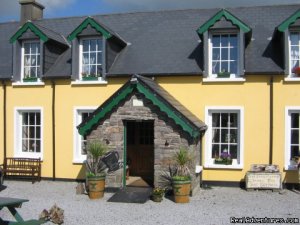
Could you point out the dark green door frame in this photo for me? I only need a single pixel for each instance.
(124, 153)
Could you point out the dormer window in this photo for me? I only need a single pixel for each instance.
(294, 47)
(31, 61)
(224, 57)
(224, 38)
(91, 53)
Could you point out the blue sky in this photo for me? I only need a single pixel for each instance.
(9, 9)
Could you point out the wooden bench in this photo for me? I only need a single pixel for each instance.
(23, 167)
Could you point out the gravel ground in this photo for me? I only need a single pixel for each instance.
(210, 206)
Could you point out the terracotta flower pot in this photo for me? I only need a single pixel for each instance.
(181, 189)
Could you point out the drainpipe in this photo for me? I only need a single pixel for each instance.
(4, 119)
(53, 130)
(271, 120)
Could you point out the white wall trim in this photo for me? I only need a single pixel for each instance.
(77, 157)
(18, 132)
(208, 160)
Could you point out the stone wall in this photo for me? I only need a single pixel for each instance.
(136, 107)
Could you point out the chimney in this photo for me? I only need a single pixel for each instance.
(30, 10)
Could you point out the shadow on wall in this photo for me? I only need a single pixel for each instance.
(82, 172)
(291, 179)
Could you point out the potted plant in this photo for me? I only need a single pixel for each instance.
(96, 169)
(28, 78)
(181, 179)
(223, 74)
(158, 194)
(224, 158)
(89, 77)
(296, 71)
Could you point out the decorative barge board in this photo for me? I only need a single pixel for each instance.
(263, 177)
(146, 126)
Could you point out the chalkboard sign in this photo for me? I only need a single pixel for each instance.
(111, 160)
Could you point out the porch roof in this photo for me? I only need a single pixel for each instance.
(158, 96)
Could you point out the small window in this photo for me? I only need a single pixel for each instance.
(29, 139)
(224, 147)
(293, 138)
(31, 61)
(80, 142)
(224, 59)
(295, 54)
(91, 59)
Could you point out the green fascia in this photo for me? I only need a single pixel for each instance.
(292, 19)
(170, 112)
(24, 28)
(89, 21)
(106, 109)
(228, 16)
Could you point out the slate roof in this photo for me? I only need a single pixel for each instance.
(166, 42)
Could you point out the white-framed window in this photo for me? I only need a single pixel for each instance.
(31, 57)
(224, 54)
(292, 134)
(224, 142)
(294, 56)
(29, 132)
(91, 58)
(80, 114)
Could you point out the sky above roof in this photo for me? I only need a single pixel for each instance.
(9, 9)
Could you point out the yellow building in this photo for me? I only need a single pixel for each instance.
(225, 83)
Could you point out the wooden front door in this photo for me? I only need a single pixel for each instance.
(140, 149)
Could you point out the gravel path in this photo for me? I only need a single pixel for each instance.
(211, 206)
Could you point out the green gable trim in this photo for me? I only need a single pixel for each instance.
(185, 125)
(122, 94)
(89, 21)
(105, 110)
(228, 16)
(292, 19)
(28, 25)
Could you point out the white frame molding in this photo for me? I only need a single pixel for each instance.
(287, 152)
(208, 137)
(77, 156)
(18, 132)
(209, 77)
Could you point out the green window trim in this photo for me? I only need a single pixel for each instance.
(179, 120)
(228, 16)
(28, 25)
(292, 19)
(89, 21)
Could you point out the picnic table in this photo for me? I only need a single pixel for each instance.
(12, 204)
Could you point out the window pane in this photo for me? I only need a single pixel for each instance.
(25, 145)
(33, 72)
(27, 60)
(27, 48)
(294, 39)
(294, 151)
(233, 151)
(233, 120)
(33, 48)
(38, 132)
(233, 67)
(295, 120)
(233, 136)
(99, 70)
(32, 132)
(215, 151)
(25, 118)
(233, 40)
(224, 119)
(93, 44)
(37, 146)
(224, 67)
(215, 135)
(216, 119)
(224, 40)
(92, 70)
(294, 52)
(33, 60)
(216, 40)
(224, 149)
(224, 53)
(85, 58)
(295, 137)
(224, 136)
(233, 54)
(93, 58)
(85, 45)
(100, 44)
(215, 67)
(99, 58)
(216, 54)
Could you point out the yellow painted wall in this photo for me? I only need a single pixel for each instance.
(1, 125)
(192, 92)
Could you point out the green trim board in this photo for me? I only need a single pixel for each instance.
(124, 153)
(28, 25)
(228, 16)
(86, 126)
(89, 21)
(292, 19)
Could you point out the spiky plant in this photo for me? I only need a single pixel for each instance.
(182, 160)
(96, 150)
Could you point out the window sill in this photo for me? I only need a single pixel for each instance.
(79, 161)
(214, 79)
(292, 79)
(291, 167)
(36, 83)
(95, 82)
(219, 166)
